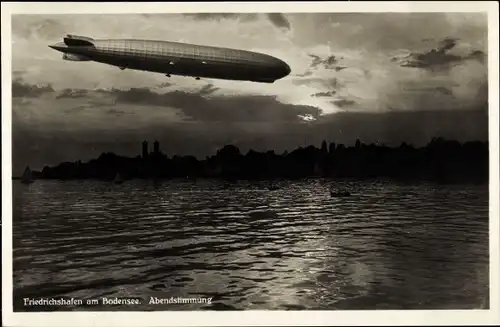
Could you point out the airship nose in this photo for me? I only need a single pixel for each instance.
(287, 69)
(284, 69)
(58, 46)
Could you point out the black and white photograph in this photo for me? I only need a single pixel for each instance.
(259, 159)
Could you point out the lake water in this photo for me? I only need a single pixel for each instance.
(388, 246)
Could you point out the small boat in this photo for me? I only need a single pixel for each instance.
(118, 179)
(339, 193)
(26, 178)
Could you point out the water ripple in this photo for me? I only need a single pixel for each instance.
(389, 246)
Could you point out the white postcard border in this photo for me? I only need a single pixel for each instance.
(251, 318)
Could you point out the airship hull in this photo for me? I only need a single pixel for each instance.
(173, 58)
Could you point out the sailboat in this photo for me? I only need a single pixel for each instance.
(26, 177)
(118, 179)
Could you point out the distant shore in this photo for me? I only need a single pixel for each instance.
(440, 160)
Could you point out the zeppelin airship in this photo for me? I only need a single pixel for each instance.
(174, 58)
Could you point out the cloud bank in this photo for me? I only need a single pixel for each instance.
(368, 55)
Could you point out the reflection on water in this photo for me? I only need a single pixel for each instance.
(388, 246)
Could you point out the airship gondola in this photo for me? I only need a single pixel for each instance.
(175, 58)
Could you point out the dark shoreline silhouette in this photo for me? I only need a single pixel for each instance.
(440, 160)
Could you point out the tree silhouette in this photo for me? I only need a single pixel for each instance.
(441, 160)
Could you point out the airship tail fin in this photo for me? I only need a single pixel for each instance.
(76, 40)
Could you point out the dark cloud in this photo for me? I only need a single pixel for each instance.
(138, 96)
(439, 57)
(439, 90)
(431, 59)
(449, 43)
(342, 103)
(316, 60)
(279, 20)
(308, 73)
(328, 62)
(208, 89)
(478, 55)
(72, 93)
(217, 108)
(324, 94)
(203, 105)
(426, 89)
(20, 89)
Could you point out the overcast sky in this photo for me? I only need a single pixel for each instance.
(380, 77)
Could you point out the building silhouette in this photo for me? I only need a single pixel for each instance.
(156, 148)
(441, 160)
(144, 149)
